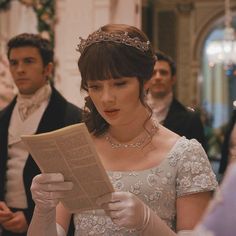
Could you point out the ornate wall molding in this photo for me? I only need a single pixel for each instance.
(185, 8)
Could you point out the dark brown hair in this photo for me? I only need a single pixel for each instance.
(107, 59)
(32, 40)
(161, 56)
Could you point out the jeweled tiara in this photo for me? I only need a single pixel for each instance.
(123, 38)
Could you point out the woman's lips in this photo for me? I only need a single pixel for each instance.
(111, 113)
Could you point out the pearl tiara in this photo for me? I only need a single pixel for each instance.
(122, 38)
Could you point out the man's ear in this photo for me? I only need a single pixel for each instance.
(48, 69)
(146, 85)
(174, 78)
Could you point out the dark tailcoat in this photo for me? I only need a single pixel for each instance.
(225, 147)
(185, 122)
(59, 113)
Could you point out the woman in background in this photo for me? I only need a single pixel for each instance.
(219, 219)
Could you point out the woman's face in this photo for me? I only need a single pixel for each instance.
(117, 100)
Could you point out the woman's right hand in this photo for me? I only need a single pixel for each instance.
(48, 189)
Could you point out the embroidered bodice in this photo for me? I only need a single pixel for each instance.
(185, 170)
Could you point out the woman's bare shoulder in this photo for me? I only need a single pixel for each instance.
(166, 136)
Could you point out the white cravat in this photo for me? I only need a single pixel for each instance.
(28, 104)
(160, 107)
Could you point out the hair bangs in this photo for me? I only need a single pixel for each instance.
(106, 62)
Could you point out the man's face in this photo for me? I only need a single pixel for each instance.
(27, 69)
(162, 81)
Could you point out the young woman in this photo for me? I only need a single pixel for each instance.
(160, 178)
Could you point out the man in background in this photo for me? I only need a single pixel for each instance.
(38, 107)
(166, 108)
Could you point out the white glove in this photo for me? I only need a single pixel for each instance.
(127, 210)
(188, 233)
(48, 189)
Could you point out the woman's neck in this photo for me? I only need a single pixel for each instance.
(132, 129)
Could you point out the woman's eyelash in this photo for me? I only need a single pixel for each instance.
(93, 87)
(120, 83)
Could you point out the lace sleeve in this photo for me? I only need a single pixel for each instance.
(194, 173)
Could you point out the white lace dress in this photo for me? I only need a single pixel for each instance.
(185, 170)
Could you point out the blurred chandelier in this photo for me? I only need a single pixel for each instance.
(223, 51)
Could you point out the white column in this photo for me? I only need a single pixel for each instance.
(126, 12)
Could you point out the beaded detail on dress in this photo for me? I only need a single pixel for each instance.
(185, 170)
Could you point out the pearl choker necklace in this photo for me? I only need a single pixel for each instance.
(138, 144)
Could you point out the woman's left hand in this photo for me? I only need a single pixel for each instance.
(125, 209)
